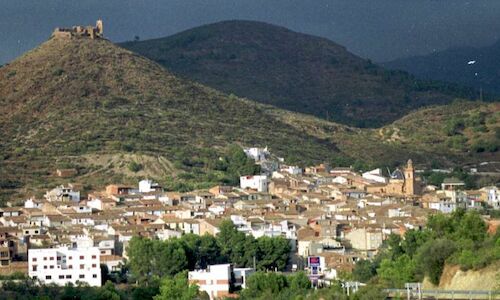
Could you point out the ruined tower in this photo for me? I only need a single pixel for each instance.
(99, 28)
(409, 175)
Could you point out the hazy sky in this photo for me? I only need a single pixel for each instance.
(377, 29)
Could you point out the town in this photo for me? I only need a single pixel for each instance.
(332, 217)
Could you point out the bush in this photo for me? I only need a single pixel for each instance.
(433, 255)
(485, 146)
(457, 142)
(454, 126)
(58, 72)
(135, 167)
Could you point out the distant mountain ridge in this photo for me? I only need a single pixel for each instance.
(294, 71)
(475, 67)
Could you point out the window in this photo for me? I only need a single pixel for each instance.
(26, 232)
(34, 268)
(48, 277)
(33, 259)
(68, 276)
(81, 257)
(70, 267)
(71, 257)
(45, 267)
(58, 258)
(52, 267)
(94, 257)
(82, 266)
(94, 266)
(61, 276)
(51, 258)
(102, 251)
(45, 258)
(94, 276)
(81, 276)
(34, 277)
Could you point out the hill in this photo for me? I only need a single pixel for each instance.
(293, 71)
(452, 65)
(71, 101)
(115, 116)
(467, 128)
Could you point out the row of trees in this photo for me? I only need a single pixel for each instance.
(260, 285)
(156, 259)
(264, 286)
(208, 167)
(460, 238)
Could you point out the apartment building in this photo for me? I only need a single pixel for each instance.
(64, 265)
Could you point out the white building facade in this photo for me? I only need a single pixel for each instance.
(64, 265)
(255, 182)
(217, 280)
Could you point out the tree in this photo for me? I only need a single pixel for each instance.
(169, 258)
(104, 273)
(235, 246)
(471, 226)
(299, 282)
(260, 283)
(273, 253)
(392, 246)
(395, 273)
(139, 252)
(107, 292)
(432, 256)
(364, 270)
(177, 288)
(208, 252)
(238, 164)
(413, 239)
(201, 251)
(155, 258)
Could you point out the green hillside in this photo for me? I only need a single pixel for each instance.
(69, 102)
(294, 71)
(116, 116)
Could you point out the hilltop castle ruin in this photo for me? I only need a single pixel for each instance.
(80, 31)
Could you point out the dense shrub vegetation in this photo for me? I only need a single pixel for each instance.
(156, 259)
(208, 168)
(460, 238)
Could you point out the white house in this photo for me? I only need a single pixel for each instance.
(255, 182)
(32, 203)
(340, 180)
(63, 193)
(443, 205)
(294, 170)
(148, 186)
(493, 196)
(375, 175)
(64, 265)
(217, 279)
(166, 234)
(258, 154)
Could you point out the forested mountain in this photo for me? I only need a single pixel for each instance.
(475, 67)
(294, 71)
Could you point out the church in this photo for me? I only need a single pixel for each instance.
(401, 182)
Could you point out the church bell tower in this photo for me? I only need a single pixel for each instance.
(409, 173)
